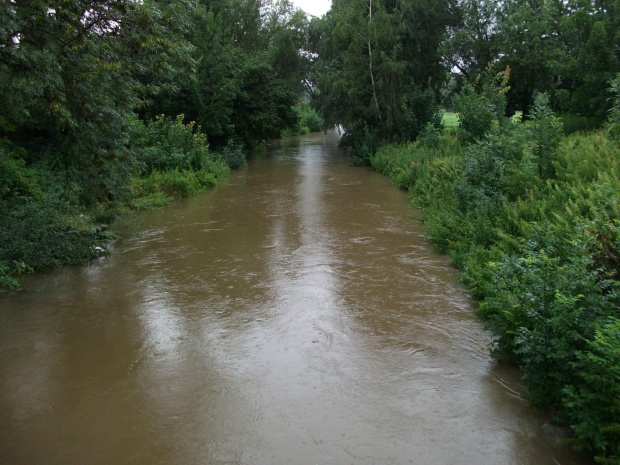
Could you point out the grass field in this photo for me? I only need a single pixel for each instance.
(451, 120)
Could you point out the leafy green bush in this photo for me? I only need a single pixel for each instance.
(176, 162)
(481, 104)
(545, 132)
(153, 190)
(167, 144)
(363, 142)
(591, 402)
(310, 119)
(39, 234)
(17, 180)
(542, 306)
(233, 154)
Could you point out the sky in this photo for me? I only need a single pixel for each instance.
(313, 7)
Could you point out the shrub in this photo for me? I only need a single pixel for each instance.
(233, 154)
(310, 119)
(591, 402)
(545, 131)
(167, 144)
(481, 104)
(38, 235)
(613, 120)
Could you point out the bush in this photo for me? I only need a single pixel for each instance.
(176, 162)
(363, 142)
(482, 103)
(233, 154)
(310, 119)
(37, 234)
(613, 121)
(545, 132)
(167, 144)
(591, 402)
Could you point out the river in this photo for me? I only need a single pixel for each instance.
(294, 315)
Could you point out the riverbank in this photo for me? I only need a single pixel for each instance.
(536, 233)
(45, 221)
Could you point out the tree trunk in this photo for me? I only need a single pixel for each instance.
(372, 76)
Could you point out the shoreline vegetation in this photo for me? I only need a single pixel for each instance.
(531, 217)
(44, 227)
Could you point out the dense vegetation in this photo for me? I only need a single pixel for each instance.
(532, 218)
(112, 105)
(383, 65)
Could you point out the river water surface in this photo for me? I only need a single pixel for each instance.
(295, 315)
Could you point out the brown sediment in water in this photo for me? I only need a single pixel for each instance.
(294, 315)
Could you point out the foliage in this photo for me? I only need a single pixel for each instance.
(613, 120)
(545, 133)
(567, 49)
(167, 144)
(379, 69)
(309, 118)
(233, 154)
(174, 161)
(90, 95)
(592, 407)
(74, 72)
(174, 183)
(481, 104)
(41, 233)
(473, 42)
(542, 250)
(249, 73)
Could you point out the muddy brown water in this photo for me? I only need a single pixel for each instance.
(295, 315)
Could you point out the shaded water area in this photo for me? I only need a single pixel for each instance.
(295, 315)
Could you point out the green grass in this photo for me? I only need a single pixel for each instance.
(450, 120)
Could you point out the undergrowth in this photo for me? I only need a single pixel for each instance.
(532, 218)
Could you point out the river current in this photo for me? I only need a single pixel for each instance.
(294, 315)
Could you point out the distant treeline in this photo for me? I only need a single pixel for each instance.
(383, 65)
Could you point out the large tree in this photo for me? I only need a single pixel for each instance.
(568, 48)
(250, 70)
(71, 73)
(380, 65)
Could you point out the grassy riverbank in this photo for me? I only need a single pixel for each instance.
(45, 222)
(532, 218)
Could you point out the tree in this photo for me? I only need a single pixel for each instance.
(474, 42)
(590, 57)
(380, 66)
(568, 49)
(71, 74)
